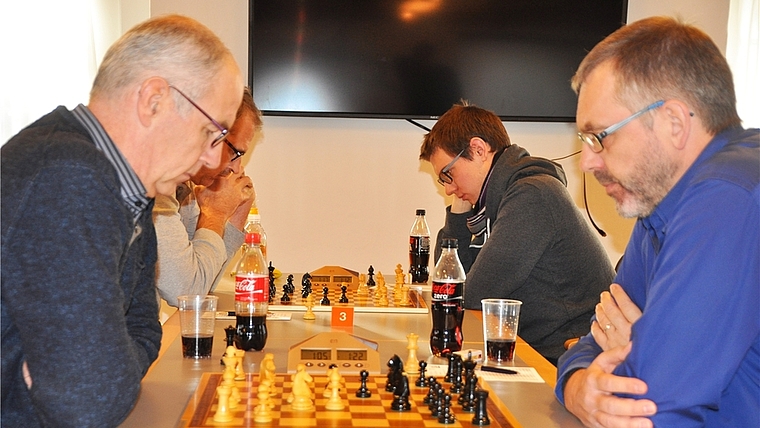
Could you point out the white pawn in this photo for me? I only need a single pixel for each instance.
(263, 412)
(335, 402)
(223, 413)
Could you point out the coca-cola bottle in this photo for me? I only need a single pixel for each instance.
(419, 249)
(251, 296)
(447, 301)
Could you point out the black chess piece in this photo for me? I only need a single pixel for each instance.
(401, 396)
(343, 297)
(468, 399)
(289, 287)
(394, 369)
(230, 332)
(306, 281)
(371, 276)
(456, 381)
(432, 387)
(363, 391)
(481, 414)
(325, 301)
(445, 416)
(437, 403)
(422, 381)
(450, 372)
(285, 299)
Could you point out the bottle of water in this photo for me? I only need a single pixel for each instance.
(251, 296)
(419, 249)
(253, 225)
(447, 301)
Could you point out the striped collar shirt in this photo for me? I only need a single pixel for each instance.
(132, 189)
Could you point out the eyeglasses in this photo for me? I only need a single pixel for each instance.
(444, 177)
(222, 130)
(238, 153)
(595, 140)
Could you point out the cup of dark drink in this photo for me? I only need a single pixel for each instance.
(197, 314)
(501, 318)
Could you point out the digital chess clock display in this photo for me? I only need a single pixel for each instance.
(316, 354)
(352, 354)
(340, 279)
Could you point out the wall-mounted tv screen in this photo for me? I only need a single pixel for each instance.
(413, 59)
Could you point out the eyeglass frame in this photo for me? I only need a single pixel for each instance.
(223, 131)
(238, 153)
(444, 175)
(594, 141)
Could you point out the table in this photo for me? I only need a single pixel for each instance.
(171, 380)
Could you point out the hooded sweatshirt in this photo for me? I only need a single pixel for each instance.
(525, 239)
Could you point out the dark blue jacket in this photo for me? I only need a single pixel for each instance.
(78, 290)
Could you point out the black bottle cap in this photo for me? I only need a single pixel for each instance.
(420, 212)
(449, 243)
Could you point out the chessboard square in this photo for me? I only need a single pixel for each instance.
(372, 423)
(306, 421)
(408, 416)
(359, 409)
(433, 423)
(333, 415)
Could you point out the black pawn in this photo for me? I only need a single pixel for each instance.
(325, 301)
(370, 276)
(481, 414)
(343, 297)
(432, 387)
(363, 391)
(437, 402)
(445, 416)
(285, 299)
(422, 381)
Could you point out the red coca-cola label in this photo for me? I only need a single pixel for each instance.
(254, 288)
(446, 290)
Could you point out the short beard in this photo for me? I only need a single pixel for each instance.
(645, 188)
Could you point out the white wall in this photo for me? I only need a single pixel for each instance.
(344, 191)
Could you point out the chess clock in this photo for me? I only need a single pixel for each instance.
(333, 277)
(346, 351)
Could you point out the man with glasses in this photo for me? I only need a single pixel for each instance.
(79, 309)
(200, 227)
(526, 238)
(676, 340)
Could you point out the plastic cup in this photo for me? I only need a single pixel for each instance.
(197, 314)
(501, 318)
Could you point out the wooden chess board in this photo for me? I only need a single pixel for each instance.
(417, 304)
(359, 412)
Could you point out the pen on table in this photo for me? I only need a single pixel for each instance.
(226, 313)
(497, 370)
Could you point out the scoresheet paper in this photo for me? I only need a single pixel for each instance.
(524, 374)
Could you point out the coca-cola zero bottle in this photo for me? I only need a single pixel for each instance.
(419, 249)
(447, 301)
(251, 296)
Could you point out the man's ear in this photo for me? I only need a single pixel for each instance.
(153, 97)
(478, 147)
(677, 123)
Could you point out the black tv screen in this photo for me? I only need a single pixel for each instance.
(413, 59)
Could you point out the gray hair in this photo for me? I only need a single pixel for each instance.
(177, 48)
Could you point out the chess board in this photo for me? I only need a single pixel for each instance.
(416, 305)
(359, 412)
